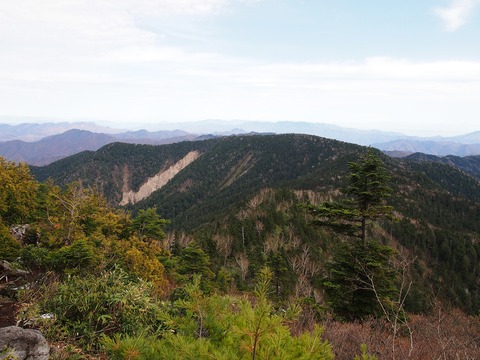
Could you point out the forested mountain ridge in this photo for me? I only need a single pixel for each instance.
(227, 171)
(469, 164)
(233, 168)
(437, 205)
(117, 167)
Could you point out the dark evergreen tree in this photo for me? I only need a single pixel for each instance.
(364, 202)
(193, 260)
(361, 278)
(148, 225)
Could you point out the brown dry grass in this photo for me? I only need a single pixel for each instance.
(444, 334)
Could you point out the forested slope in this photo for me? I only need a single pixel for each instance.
(437, 205)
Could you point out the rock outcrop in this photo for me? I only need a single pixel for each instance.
(159, 180)
(23, 344)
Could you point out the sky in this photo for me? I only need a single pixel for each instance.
(410, 66)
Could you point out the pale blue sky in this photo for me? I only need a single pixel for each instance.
(411, 66)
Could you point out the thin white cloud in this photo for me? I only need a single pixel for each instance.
(93, 59)
(77, 30)
(457, 14)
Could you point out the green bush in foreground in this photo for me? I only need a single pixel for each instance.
(87, 308)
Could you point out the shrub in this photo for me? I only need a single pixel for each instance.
(81, 254)
(111, 303)
(36, 257)
(141, 259)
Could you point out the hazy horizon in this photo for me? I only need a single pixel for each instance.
(411, 67)
(224, 125)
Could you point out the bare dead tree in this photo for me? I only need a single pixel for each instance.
(304, 267)
(183, 240)
(223, 244)
(243, 262)
(393, 309)
(169, 241)
(259, 227)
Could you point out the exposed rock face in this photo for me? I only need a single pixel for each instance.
(19, 231)
(25, 344)
(159, 180)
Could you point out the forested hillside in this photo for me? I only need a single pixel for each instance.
(469, 164)
(229, 170)
(274, 218)
(437, 205)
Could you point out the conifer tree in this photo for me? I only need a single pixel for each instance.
(361, 278)
(364, 200)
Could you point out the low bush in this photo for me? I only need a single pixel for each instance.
(88, 307)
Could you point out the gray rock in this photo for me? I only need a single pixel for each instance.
(25, 344)
(19, 231)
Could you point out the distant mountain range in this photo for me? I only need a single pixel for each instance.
(41, 144)
(55, 147)
(36, 131)
(439, 147)
(356, 136)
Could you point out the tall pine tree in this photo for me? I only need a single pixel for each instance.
(361, 278)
